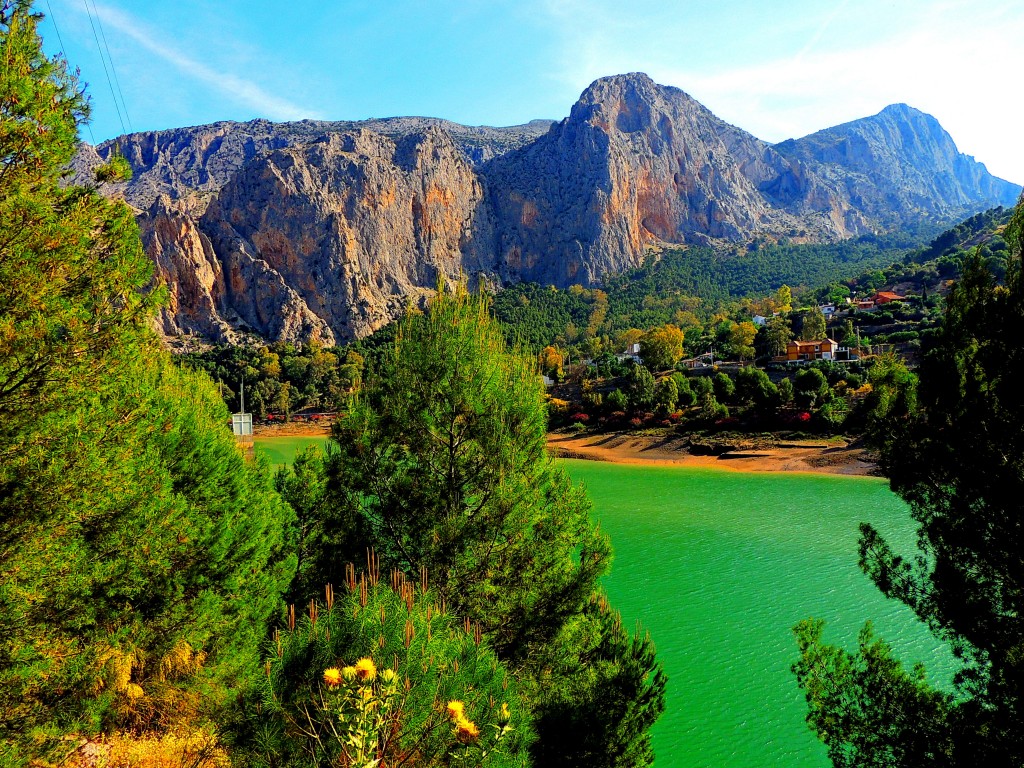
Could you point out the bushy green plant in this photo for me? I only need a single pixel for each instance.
(618, 400)
(641, 388)
(666, 394)
(724, 387)
(384, 673)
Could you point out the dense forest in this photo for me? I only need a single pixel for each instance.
(677, 283)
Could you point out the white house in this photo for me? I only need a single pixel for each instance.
(632, 353)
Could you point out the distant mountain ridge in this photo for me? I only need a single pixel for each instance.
(329, 229)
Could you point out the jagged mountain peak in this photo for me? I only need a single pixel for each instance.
(902, 110)
(328, 229)
(902, 166)
(631, 102)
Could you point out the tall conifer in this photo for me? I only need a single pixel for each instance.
(140, 556)
(442, 463)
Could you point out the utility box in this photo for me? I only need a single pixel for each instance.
(241, 425)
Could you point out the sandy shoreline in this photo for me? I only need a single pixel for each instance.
(831, 457)
(821, 457)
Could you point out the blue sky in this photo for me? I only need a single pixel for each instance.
(778, 70)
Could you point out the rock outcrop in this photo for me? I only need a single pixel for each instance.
(635, 164)
(333, 239)
(900, 167)
(328, 230)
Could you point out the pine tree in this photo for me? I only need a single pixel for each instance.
(442, 464)
(71, 265)
(952, 445)
(141, 556)
(443, 459)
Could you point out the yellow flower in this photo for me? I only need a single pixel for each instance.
(466, 730)
(332, 676)
(366, 669)
(456, 710)
(349, 673)
(504, 715)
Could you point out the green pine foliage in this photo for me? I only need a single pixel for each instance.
(952, 444)
(597, 714)
(141, 556)
(869, 710)
(443, 458)
(440, 463)
(71, 264)
(375, 674)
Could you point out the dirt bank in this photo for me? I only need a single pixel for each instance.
(292, 429)
(833, 457)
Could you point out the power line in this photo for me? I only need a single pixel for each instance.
(64, 53)
(113, 69)
(103, 60)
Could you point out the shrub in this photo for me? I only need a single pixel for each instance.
(384, 671)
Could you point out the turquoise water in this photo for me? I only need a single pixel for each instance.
(282, 450)
(719, 566)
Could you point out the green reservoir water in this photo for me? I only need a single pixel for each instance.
(282, 450)
(719, 566)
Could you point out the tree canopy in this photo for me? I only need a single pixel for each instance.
(141, 555)
(440, 464)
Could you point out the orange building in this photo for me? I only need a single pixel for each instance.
(884, 297)
(811, 350)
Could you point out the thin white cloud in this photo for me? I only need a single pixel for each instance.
(820, 31)
(230, 85)
(952, 63)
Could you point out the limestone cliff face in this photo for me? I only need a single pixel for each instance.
(329, 230)
(330, 240)
(189, 268)
(634, 164)
(202, 159)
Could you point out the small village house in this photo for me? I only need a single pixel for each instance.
(884, 297)
(798, 351)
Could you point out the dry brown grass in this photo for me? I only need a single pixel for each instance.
(194, 749)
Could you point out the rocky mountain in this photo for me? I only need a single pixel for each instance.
(329, 229)
(201, 159)
(637, 164)
(899, 166)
